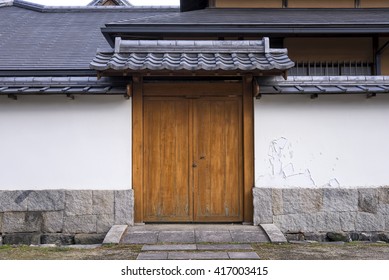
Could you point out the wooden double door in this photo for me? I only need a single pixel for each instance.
(192, 159)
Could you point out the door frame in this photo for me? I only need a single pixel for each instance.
(190, 89)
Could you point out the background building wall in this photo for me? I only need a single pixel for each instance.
(384, 56)
(321, 4)
(330, 49)
(248, 4)
(52, 142)
(374, 4)
(295, 3)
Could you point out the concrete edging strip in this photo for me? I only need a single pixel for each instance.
(274, 233)
(115, 234)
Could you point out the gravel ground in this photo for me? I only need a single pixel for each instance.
(316, 251)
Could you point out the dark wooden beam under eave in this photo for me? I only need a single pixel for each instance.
(190, 5)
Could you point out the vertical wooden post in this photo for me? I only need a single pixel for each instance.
(137, 147)
(248, 148)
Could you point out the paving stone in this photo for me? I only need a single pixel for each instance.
(223, 247)
(115, 234)
(274, 233)
(198, 256)
(213, 236)
(243, 255)
(248, 237)
(152, 256)
(78, 203)
(173, 247)
(46, 200)
(176, 236)
(52, 221)
(140, 238)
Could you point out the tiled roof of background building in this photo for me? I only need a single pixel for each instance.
(58, 38)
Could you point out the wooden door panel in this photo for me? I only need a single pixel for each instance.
(217, 155)
(167, 188)
(192, 160)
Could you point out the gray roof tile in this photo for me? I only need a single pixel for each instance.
(324, 85)
(269, 17)
(193, 56)
(62, 85)
(33, 40)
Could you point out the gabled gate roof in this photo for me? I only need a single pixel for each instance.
(192, 55)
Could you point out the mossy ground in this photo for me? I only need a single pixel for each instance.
(266, 251)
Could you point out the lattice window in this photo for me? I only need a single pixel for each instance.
(343, 68)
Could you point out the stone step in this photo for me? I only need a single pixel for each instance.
(198, 247)
(195, 236)
(274, 233)
(202, 255)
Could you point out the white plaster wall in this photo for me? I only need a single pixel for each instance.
(52, 142)
(329, 141)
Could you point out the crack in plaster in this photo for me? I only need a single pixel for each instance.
(283, 173)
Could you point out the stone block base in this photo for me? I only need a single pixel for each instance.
(62, 216)
(322, 213)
